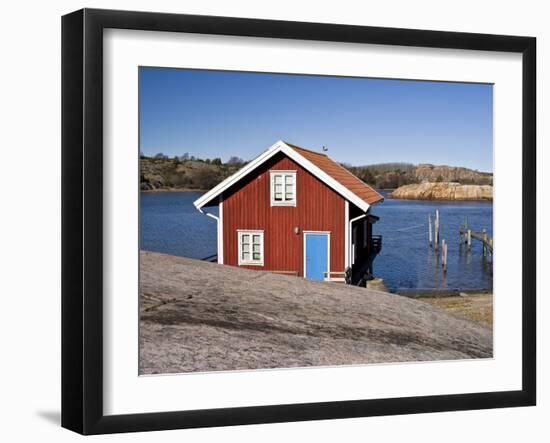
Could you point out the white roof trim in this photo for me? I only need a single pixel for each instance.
(327, 179)
(281, 146)
(232, 179)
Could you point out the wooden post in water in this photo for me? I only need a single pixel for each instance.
(436, 229)
(469, 239)
(444, 255)
(484, 241)
(430, 229)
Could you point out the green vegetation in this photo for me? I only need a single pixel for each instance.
(186, 172)
(385, 175)
(394, 175)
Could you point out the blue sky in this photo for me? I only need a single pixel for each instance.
(360, 120)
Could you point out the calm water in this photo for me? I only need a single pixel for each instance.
(171, 224)
(406, 261)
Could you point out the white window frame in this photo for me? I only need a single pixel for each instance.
(284, 174)
(250, 261)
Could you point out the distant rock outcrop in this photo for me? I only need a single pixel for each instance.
(394, 175)
(444, 191)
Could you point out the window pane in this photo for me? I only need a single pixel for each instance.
(284, 187)
(256, 255)
(256, 238)
(246, 247)
(245, 238)
(255, 248)
(246, 255)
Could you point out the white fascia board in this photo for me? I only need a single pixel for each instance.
(232, 179)
(220, 232)
(346, 235)
(281, 146)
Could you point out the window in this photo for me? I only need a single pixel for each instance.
(283, 188)
(251, 248)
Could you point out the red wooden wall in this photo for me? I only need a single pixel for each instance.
(318, 208)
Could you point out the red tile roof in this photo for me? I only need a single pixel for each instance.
(340, 174)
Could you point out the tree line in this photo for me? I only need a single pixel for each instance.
(233, 160)
(385, 175)
(187, 171)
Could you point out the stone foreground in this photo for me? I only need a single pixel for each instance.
(200, 316)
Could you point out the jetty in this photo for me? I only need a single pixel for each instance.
(467, 234)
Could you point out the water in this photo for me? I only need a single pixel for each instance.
(171, 224)
(407, 263)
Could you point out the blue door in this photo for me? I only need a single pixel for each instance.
(316, 256)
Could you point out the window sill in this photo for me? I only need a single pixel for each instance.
(292, 204)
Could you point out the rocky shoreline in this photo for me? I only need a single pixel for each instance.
(200, 316)
(443, 191)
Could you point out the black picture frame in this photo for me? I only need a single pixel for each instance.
(82, 215)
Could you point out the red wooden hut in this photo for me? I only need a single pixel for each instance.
(295, 211)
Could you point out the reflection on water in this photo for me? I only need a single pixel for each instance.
(171, 224)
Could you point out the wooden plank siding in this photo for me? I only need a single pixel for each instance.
(318, 208)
